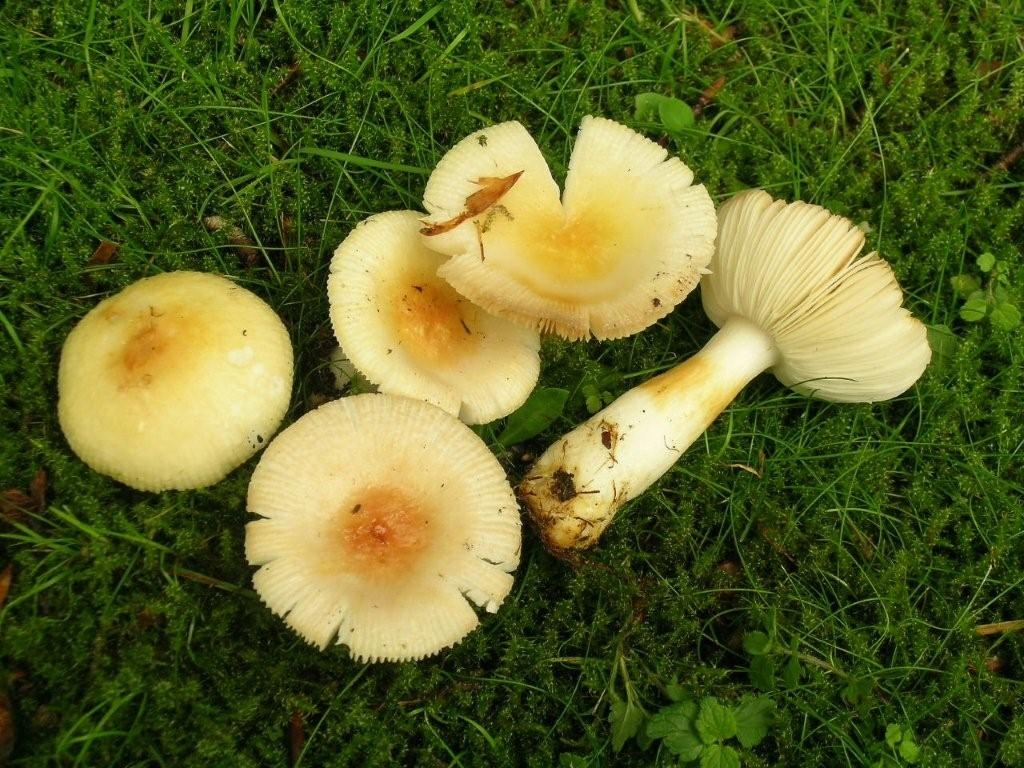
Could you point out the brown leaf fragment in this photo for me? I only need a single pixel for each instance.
(15, 505)
(105, 253)
(296, 736)
(37, 490)
(246, 247)
(5, 582)
(7, 730)
(708, 95)
(492, 189)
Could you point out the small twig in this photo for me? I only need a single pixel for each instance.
(1011, 157)
(999, 627)
(289, 77)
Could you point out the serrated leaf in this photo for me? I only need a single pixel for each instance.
(974, 310)
(942, 340)
(646, 106)
(893, 734)
(762, 673)
(675, 726)
(754, 716)
(534, 416)
(1005, 317)
(964, 285)
(792, 672)
(715, 721)
(625, 719)
(718, 756)
(909, 751)
(677, 692)
(986, 261)
(675, 115)
(757, 643)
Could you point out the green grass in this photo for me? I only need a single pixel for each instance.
(869, 544)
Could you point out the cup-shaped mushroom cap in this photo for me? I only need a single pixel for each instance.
(410, 333)
(174, 381)
(628, 241)
(836, 318)
(381, 519)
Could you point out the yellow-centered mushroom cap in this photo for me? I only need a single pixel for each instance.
(381, 519)
(174, 381)
(628, 241)
(835, 316)
(410, 333)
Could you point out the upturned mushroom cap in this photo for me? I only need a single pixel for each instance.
(835, 317)
(627, 242)
(174, 381)
(411, 334)
(382, 518)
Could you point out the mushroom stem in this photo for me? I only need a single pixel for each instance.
(575, 488)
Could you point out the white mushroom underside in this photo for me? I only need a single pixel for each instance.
(835, 318)
(410, 334)
(175, 381)
(627, 242)
(314, 491)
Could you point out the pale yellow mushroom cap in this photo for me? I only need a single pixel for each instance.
(174, 381)
(381, 519)
(411, 334)
(836, 317)
(628, 241)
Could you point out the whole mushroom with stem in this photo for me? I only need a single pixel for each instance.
(789, 294)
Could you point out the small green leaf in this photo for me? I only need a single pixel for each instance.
(762, 673)
(675, 115)
(567, 760)
(974, 310)
(857, 690)
(754, 716)
(792, 672)
(964, 285)
(717, 756)
(893, 734)
(626, 719)
(909, 750)
(675, 726)
(986, 261)
(715, 721)
(647, 105)
(757, 643)
(534, 416)
(1005, 316)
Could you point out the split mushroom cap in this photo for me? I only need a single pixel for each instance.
(411, 334)
(381, 518)
(628, 240)
(174, 381)
(790, 294)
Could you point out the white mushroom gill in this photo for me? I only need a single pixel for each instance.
(381, 518)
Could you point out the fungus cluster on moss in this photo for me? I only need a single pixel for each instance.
(382, 518)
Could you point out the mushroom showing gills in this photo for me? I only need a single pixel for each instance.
(790, 294)
(381, 517)
(627, 241)
(174, 381)
(411, 334)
